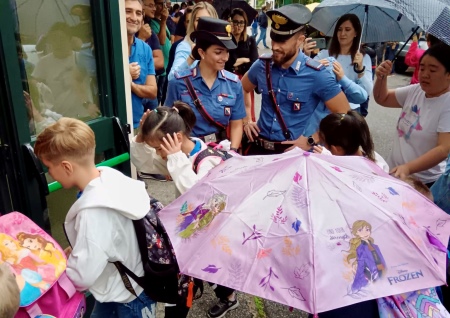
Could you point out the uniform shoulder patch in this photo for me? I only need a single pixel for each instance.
(183, 73)
(265, 56)
(231, 76)
(315, 65)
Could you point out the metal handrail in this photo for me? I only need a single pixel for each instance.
(54, 186)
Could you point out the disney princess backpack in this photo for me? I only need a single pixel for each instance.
(39, 265)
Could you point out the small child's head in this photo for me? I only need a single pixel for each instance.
(62, 147)
(420, 187)
(344, 134)
(10, 300)
(178, 119)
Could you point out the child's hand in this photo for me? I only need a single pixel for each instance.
(171, 145)
(400, 172)
(140, 137)
(317, 149)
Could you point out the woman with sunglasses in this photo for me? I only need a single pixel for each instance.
(246, 52)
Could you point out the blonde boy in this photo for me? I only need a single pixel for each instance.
(99, 224)
(9, 291)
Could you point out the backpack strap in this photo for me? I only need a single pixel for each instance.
(124, 273)
(272, 97)
(198, 104)
(208, 152)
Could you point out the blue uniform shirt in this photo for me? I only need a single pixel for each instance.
(223, 102)
(141, 53)
(297, 84)
(355, 94)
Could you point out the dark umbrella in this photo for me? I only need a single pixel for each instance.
(224, 8)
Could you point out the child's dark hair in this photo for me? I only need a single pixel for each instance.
(169, 120)
(348, 131)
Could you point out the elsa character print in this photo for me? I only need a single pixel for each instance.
(364, 256)
(201, 216)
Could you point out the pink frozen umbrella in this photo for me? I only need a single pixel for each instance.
(314, 232)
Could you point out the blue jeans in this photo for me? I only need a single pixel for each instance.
(142, 307)
(255, 32)
(262, 36)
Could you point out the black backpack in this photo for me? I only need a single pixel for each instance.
(208, 152)
(162, 280)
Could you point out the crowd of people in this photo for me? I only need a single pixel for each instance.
(193, 78)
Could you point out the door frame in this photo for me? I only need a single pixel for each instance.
(26, 190)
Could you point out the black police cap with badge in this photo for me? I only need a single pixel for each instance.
(288, 20)
(212, 31)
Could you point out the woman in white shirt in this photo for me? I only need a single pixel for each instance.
(344, 47)
(422, 140)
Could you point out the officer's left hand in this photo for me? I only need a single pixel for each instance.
(171, 145)
(241, 61)
(301, 142)
(358, 60)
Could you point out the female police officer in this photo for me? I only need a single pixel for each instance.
(214, 94)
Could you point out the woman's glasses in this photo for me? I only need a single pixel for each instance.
(239, 23)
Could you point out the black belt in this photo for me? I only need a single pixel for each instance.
(271, 145)
(214, 137)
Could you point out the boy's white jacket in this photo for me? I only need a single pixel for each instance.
(100, 230)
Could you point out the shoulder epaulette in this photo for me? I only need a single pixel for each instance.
(183, 73)
(315, 65)
(265, 56)
(231, 76)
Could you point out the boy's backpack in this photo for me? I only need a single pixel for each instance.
(39, 265)
(162, 280)
(420, 303)
(209, 152)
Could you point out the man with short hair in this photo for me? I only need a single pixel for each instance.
(159, 26)
(142, 69)
(291, 86)
(263, 23)
(146, 34)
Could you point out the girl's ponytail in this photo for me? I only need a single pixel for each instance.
(366, 139)
(169, 120)
(188, 115)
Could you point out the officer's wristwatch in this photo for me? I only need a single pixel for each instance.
(311, 141)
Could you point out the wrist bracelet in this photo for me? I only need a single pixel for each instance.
(361, 71)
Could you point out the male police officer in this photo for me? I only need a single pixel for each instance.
(291, 85)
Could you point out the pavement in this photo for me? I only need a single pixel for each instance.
(382, 122)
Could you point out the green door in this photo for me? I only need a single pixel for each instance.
(60, 58)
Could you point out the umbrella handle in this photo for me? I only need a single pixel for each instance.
(404, 44)
(366, 12)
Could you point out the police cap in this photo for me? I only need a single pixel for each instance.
(213, 31)
(288, 20)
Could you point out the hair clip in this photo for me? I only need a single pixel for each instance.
(342, 116)
(176, 109)
(155, 110)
